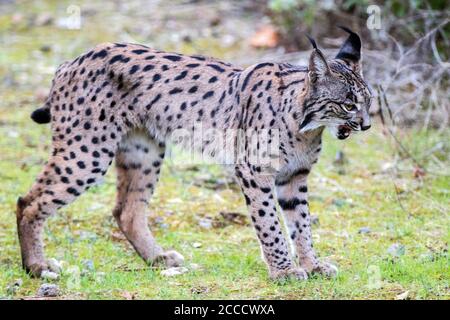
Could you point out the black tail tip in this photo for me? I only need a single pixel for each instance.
(41, 116)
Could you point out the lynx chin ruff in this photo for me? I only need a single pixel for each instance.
(124, 101)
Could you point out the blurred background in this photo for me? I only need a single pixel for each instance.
(406, 45)
(384, 194)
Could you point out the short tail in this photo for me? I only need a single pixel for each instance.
(41, 115)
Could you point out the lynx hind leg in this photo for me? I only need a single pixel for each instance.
(66, 176)
(138, 163)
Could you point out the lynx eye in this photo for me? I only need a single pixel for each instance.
(350, 107)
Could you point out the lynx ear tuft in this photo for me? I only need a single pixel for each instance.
(350, 51)
(318, 65)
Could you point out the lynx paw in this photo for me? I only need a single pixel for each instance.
(35, 270)
(46, 269)
(169, 259)
(296, 273)
(326, 269)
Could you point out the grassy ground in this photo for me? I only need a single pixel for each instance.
(377, 189)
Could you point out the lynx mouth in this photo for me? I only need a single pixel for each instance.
(344, 132)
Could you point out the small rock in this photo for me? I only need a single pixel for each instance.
(46, 48)
(88, 236)
(95, 207)
(205, 223)
(199, 289)
(196, 244)
(215, 21)
(339, 159)
(72, 271)
(100, 277)
(396, 250)
(228, 40)
(88, 264)
(195, 266)
(18, 282)
(314, 219)
(12, 288)
(427, 257)
(48, 290)
(54, 265)
(187, 38)
(364, 230)
(175, 271)
(88, 267)
(339, 202)
(402, 296)
(17, 18)
(49, 275)
(159, 220)
(44, 19)
(13, 134)
(386, 166)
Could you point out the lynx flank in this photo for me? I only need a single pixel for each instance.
(125, 101)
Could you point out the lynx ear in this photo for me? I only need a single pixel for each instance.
(350, 51)
(318, 66)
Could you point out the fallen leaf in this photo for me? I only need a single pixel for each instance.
(127, 295)
(419, 172)
(266, 37)
(226, 218)
(118, 236)
(17, 18)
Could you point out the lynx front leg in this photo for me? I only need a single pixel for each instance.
(258, 192)
(293, 200)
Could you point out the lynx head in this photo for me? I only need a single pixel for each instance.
(337, 95)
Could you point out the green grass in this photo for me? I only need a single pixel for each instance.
(375, 188)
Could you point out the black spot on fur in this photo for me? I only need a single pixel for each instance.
(139, 51)
(172, 58)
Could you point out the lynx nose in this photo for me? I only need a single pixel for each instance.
(365, 120)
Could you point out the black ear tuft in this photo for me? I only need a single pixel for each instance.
(313, 42)
(351, 49)
(348, 30)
